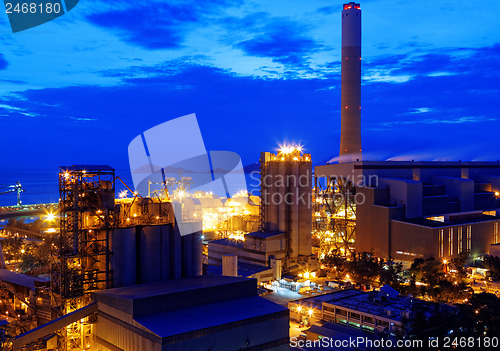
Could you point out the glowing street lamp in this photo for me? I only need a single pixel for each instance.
(50, 217)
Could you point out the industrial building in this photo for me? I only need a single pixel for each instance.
(256, 255)
(407, 210)
(105, 243)
(284, 242)
(286, 183)
(374, 312)
(399, 210)
(202, 313)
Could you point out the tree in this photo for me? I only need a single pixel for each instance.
(493, 264)
(459, 263)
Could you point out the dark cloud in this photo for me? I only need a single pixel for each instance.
(480, 62)
(281, 39)
(283, 43)
(157, 25)
(3, 62)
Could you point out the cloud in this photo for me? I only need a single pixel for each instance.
(8, 109)
(157, 25)
(3, 62)
(283, 40)
(420, 110)
(458, 120)
(83, 119)
(151, 27)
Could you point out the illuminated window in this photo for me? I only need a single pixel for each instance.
(436, 218)
(495, 233)
(469, 236)
(450, 242)
(441, 243)
(460, 237)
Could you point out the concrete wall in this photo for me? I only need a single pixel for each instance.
(462, 189)
(421, 241)
(410, 241)
(405, 192)
(373, 221)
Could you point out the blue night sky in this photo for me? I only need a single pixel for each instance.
(77, 90)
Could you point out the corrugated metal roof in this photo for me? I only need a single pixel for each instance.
(265, 234)
(166, 287)
(19, 279)
(206, 316)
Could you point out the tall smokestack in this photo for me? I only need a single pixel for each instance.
(350, 137)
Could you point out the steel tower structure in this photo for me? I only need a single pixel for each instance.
(80, 263)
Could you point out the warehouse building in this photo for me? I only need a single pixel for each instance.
(201, 313)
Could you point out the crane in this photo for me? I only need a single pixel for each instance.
(6, 189)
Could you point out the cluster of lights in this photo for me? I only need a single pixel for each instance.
(238, 235)
(288, 149)
(310, 311)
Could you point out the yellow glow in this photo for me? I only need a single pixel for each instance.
(237, 236)
(445, 261)
(299, 308)
(51, 230)
(347, 276)
(123, 194)
(306, 275)
(310, 312)
(210, 220)
(50, 217)
(22, 251)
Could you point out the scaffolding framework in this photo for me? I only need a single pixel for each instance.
(80, 264)
(334, 222)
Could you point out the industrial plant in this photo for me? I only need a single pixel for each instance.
(183, 269)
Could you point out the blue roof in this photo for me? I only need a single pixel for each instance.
(265, 234)
(166, 287)
(206, 316)
(27, 281)
(244, 269)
